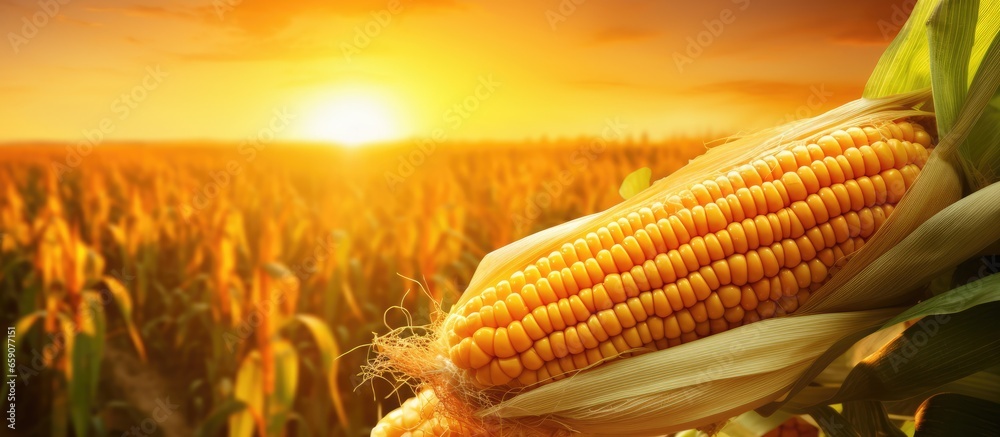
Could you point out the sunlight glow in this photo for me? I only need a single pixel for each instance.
(353, 120)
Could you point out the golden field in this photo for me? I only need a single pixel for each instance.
(182, 289)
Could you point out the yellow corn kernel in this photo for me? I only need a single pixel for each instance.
(416, 416)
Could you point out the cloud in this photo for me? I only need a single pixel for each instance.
(764, 26)
(777, 91)
(622, 34)
(260, 17)
(243, 30)
(261, 50)
(855, 23)
(136, 10)
(64, 18)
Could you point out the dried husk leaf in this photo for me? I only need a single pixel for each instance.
(740, 369)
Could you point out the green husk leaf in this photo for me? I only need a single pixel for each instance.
(982, 385)
(986, 30)
(930, 353)
(905, 64)
(981, 153)
(952, 414)
(635, 182)
(950, 40)
(959, 299)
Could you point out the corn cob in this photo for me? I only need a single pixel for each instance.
(749, 245)
(417, 416)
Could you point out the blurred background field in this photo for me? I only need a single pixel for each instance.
(194, 280)
(155, 283)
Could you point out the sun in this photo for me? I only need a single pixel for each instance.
(353, 119)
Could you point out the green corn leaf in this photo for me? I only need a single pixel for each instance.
(85, 356)
(98, 424)
(281, 402)
(60, 410)
(301, 425)
(27, 321)
(635, 182)
(218, 417)
(250, 391)
(95, 326)
(124, 301)
(951, 414)
(329, 351)
(80, 393)
(68, 330)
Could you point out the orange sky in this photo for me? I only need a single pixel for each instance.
(558, 67)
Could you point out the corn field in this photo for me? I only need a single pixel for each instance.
(196, 290)
(834, 275)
